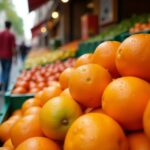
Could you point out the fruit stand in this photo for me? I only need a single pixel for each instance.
(117, 32)
(94, 100)
(89, 94)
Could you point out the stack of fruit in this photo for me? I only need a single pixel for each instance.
(32, 81)
(102, 103)
(139, 27)
(121, 27)
(36, 58)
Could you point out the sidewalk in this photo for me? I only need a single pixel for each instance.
(15, 71)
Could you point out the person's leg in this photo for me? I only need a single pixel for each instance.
(23, 57)
(1, 75)
(3, 72)
(6, 67)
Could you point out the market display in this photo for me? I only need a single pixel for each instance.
(98, 102)
(39, 57)
(32, 81)
(139, 27)
(120, 28)
(116, 32)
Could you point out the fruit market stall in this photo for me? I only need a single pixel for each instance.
(37, 78)
(36, 58)
(43, 56)
(118, 32)
(100, 102)
(42, 68)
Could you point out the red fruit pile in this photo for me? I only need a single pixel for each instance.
(32, 81)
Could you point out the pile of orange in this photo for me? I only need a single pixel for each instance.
(100, 103)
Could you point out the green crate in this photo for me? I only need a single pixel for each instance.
(4, 111)
(12, 102)
(87, 47)
(121, 37)
(125, 35)
(16, 100)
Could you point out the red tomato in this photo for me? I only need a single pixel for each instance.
(34, 90)
(40, 79)
(19, 90)
(23, 84)
(32, 84)
(42, 85)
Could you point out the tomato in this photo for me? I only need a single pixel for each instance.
(34, 90)
(41, 85)
(40, 79)
(23, 84)
(19, 90)
(32, 84)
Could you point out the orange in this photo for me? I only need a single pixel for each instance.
(65, 93)
(92, 110)
(146, 120)
(87, 84)
(30, 103)
(138, 141)
(133, 56)
(105, 55)
(38, 143)
(64, 78)
(17, 112)
(39, 94)
(24, 128)
(125, 99)
(14, 118)
(32, 111)
(83, 60)
(9, 144)
(57, 115)
(53, 83)
(48, 93)
(95, 131)
(34, 90)
(5, 128)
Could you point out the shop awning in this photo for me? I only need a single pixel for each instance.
(33, 4)
(36, 30)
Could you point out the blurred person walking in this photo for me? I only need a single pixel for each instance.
(23, 50)
(7, 51)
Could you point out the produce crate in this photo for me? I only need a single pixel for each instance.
(16, 100)
(12, 102)
(122, 37)
(125, 35)
(4, 112)
(89, 47)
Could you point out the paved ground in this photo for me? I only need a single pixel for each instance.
(14, 73)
